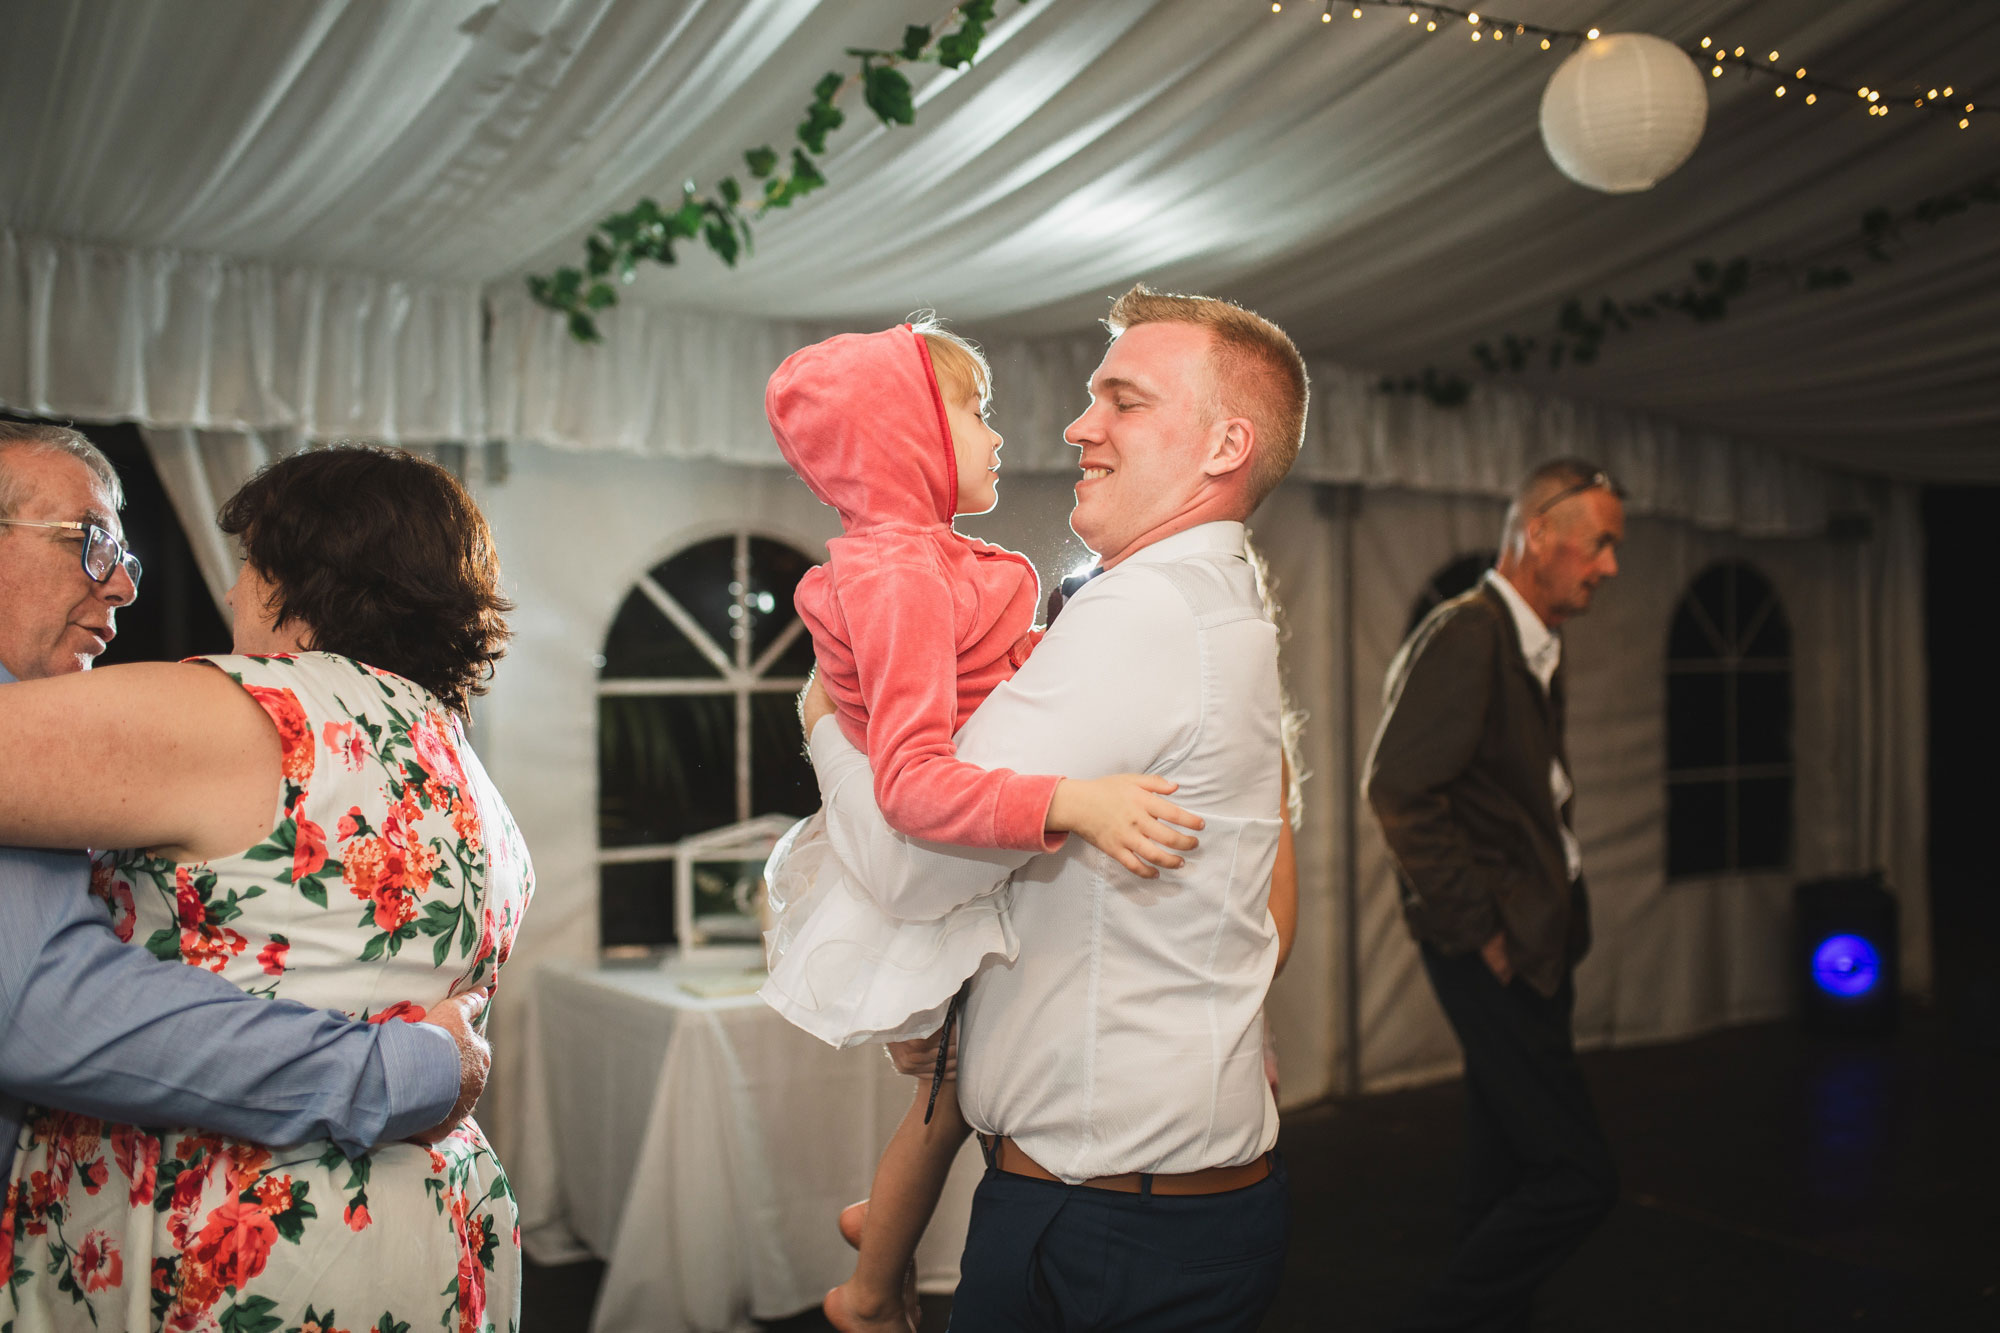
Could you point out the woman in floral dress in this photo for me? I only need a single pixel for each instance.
(306, 819)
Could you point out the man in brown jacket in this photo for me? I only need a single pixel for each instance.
(1470, 780)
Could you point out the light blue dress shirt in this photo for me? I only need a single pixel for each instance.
(95, 1025)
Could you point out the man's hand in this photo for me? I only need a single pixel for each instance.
(917, 1057)
(814, 704)
(475, 1057)
(1123, 816)
(1494, 951)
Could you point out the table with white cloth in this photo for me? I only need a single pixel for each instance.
(702, 1147)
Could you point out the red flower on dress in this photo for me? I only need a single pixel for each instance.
(294, 731)
(350, 823)
(138, 1156)
(98, 1264)
(309, 852)
(357, 1216)
(236, 1243)
(211, 946)
(437, 748)
(272, 956)
(200, 1289)
(274, 1194)
(401, 1009)
(187, 903)
(471, 1272)
(117, 895)
(344, 739)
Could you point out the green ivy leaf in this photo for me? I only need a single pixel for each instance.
(915, 38)
(761, 161)
(721, 238)
(888, 94)
(731, 192)
(600, 295)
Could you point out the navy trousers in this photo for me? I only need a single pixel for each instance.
(1538, 1175)
(1045, 1256)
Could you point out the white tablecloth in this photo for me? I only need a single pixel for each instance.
(702, 1147)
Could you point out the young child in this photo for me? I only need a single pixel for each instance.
(913, 625)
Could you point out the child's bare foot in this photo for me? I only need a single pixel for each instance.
(852, 1218)
(850, 1312)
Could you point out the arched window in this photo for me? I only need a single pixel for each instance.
(1729, 726)
(696, 722)
(1462, 574)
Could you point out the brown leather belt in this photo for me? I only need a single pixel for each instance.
(1006, 1155)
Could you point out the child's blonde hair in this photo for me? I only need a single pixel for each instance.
(960, 366)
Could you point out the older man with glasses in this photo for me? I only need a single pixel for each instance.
(1469, 778)
(91, 1024)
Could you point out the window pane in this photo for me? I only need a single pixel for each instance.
(1697, 724)
(1697, 828)
(666, 767)
(635, 903)
(643, 644)
(781, 777)
(699, 578)
(1764, 823)
(1763, 717)
(1715, 589)
(1771, 639)
(1691, 641)
(775, 570)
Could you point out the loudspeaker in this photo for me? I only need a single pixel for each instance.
(1844, 954)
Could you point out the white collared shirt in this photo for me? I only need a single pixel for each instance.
(1543, 651)
(1127, 1035)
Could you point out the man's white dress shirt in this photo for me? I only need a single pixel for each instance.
(1128, 1033)
(1543, 649)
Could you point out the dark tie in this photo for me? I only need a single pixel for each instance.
(1067, 589)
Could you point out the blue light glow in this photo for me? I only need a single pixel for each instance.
(1846, 965)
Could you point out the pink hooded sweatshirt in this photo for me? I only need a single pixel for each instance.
(913, 623)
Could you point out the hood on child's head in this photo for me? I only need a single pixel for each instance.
(861, 419)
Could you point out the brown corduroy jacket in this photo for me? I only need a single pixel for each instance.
(1458, 776)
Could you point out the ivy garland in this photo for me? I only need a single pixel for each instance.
(1581, 328)
(648, 231)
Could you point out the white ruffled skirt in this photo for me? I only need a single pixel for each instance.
(848, 972)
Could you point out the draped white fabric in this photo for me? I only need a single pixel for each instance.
(672, 384)
(177, 338)
(1382, 193)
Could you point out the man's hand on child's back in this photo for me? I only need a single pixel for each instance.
(1128, 817)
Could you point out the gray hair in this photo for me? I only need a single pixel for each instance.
(1551, 479)
(49, 438)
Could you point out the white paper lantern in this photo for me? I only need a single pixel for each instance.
(1623, 112)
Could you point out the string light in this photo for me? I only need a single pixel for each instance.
(1482, 24)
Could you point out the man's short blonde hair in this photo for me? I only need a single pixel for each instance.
(957, 362)
(1259, 373)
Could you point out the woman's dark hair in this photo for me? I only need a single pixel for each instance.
(384, 558)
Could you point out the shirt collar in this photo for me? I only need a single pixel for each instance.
(6, 676)
(1223, 535)
(1539, 646)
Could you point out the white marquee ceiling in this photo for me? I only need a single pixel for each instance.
(1381, 193)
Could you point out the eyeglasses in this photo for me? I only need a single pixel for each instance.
(1595, 480)
(102, 552)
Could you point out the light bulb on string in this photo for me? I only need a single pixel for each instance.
(1781, 90)
(1326, 15)
(1705, 43)
(1545, 43)
(1432, 26)
(1592, 34)
(1963, 124)
(1947, 91)
(1475, 36)
(1413, 17)
(1473, 19)
(1811, 98)
(1774, 57)
(1802, 72)
(1717, 71)
(1356, 13)
(1738, 52)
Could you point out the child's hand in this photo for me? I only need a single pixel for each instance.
(1123, 815)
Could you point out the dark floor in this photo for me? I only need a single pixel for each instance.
(1772, 1181)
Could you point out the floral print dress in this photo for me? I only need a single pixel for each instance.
(392, 878)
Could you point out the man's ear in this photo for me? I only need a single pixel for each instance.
(1232, 449)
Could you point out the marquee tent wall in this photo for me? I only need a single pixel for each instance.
(250, 227)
